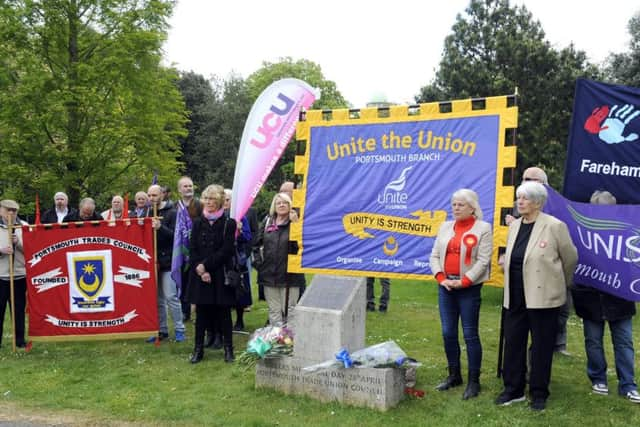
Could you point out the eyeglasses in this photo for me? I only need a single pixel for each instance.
(12, 209)
(531, 179)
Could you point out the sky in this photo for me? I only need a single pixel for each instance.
(369, 48)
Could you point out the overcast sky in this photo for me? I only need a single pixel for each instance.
(367, 47)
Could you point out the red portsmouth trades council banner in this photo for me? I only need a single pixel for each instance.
(91, 282)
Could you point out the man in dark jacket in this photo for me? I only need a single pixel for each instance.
(86, 212)
(164, 225)
(595, 308)
(59, 211)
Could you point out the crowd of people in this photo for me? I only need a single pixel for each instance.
(538, 265)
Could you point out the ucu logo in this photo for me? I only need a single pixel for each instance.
(393, 197)
(272, 121)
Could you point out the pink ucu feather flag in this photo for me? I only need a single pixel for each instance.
(269, 127)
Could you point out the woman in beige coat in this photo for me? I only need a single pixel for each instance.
(460, 263)
(538, 267)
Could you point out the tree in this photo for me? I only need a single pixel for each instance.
(624, 68)
(218, 110)
(86, 105)
(497, 49)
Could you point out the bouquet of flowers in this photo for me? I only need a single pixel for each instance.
(267, 342)
(384, 355)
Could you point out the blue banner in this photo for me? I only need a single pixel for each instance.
(608, 242)
(604, 143)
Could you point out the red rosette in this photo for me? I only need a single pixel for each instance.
(469, 241)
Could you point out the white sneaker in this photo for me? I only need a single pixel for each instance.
(633, 396)
(601, 389)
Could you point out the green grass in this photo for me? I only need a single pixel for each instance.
(110, 383)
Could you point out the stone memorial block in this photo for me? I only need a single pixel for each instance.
(330, 315)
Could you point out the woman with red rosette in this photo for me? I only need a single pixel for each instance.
(460, 263)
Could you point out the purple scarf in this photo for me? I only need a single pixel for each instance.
(212, 216)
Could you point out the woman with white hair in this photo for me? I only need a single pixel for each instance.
(538, 267)
(460, 263)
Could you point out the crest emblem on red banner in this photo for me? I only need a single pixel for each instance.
(91, 281)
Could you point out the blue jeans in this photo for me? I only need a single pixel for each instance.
(168, 298)
(621, 335)
(463, 304)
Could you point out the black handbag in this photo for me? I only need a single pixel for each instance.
(233, 272)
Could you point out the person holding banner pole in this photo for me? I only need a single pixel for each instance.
(539, 262)
(460, 263)
(595, 308)
(13, 283)
(281, 288)
(164, 220)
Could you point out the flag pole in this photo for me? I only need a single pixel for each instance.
(155, 257)
(12, 291)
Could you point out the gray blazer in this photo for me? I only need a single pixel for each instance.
(549, 262)
(478, 270)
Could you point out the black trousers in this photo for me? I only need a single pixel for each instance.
(20, 295)
(543, 326)
(213, 317)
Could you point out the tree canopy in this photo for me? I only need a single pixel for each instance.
(498, 49)
(86, 106)
(624, 68)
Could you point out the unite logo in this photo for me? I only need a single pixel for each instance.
(610, 124)
(272, 121)
(393, 196)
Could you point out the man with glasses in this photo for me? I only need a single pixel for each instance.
(538, 175)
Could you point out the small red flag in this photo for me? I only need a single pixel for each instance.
(125, 208)
(37, 210)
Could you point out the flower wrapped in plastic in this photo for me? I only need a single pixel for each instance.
(267, 342)
(384, 355)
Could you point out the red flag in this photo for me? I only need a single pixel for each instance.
(37, 209)
(125, 208)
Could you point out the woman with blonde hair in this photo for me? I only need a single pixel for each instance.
(210, 252)
(460, 263)
(281, 288)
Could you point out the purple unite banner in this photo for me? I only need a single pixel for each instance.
(604, 143)
(608, 242)
(377, 193)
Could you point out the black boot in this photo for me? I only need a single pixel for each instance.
(473, 386)
(210, 340)
(453, 380)
(228, 354)
(198, 354)
(217, 341)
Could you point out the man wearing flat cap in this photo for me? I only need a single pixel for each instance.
(59, 210)
(11, 243)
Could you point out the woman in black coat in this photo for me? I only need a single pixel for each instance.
(211, 250)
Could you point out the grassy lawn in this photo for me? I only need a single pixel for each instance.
(131, 382)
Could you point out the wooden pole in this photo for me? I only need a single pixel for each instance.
(11, 287)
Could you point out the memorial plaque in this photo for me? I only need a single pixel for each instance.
(332, 294)
(330, 316)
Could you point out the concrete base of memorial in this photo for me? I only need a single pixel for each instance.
(377, 388)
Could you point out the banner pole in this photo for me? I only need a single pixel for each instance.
(10, 231)
(501, 338)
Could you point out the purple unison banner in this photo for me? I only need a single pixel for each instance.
(376, 193)
(604, 143)
(608, 242)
